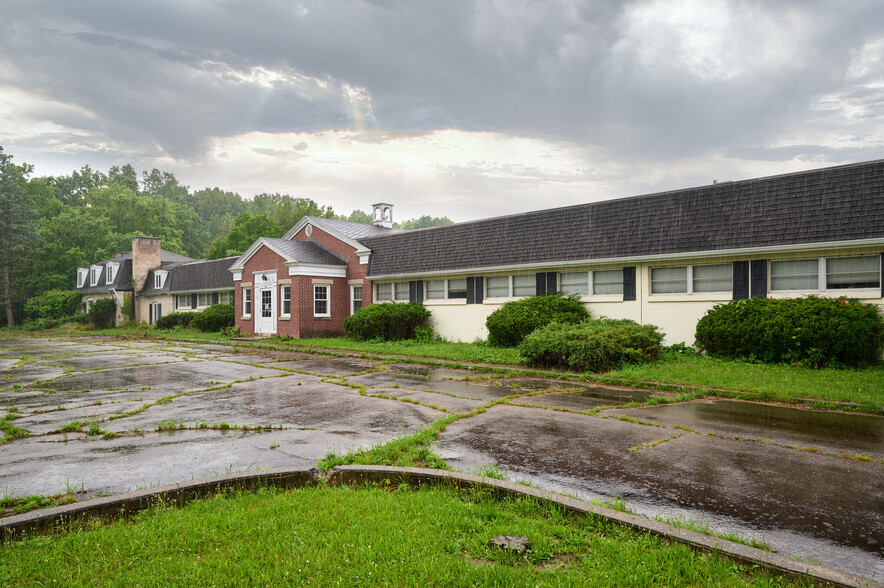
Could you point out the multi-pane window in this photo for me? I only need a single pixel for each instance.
(597, 282)
(828, 273)
(525, 285)
(692, 279)
(355, 298)
(320, 300)
(266, 303)
(81, 277)
(110, 272)
(285, 295)
(247, 301)
(498, 286)
(93, 276)
(159, 278)
(669, 280)
(457, 288)
(713, 278)
(397, 291)
(204, 300)
(435, 289)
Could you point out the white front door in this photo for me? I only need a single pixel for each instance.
(266, 301)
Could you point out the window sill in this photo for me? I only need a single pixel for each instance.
(246, 317)
(285, 317)
(449, 302)
(321, 318)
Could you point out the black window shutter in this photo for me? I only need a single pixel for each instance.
(758, 269)
(882, 276)
(741, 280)
(150, 314)
(193, 301)
(471, 290)
(551, 286)
(541, 283)
(480, 290)
(629, 283)
(416, 291)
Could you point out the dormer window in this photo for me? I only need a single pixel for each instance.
(110, 272)
(94, 272)
(81, 276)
(159, 278)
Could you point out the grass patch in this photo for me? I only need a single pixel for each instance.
(472, 352)
(692, 524)
(10, 431)
(366, 536)
(864, 387)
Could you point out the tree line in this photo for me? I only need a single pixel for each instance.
(52, 225)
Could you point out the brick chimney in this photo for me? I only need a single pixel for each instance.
(145, 257)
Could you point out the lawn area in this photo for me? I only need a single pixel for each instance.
(782, 382)
(473, 352)
(366, 536)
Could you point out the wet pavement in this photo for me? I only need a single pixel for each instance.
(810, 483)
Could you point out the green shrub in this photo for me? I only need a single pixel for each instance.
(811, 331)
(388, 321)
(103, 313)
(510, 323)
(175, 319)
(40, 324)
(215, 318)
(595, 346)
(54, 304)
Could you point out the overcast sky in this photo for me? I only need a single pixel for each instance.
(460, 108)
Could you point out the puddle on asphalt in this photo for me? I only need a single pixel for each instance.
(456, 405)
(837, 430)
(460, 388)
(586, 399)
(327, 367)
(434, 374)
(736, 484)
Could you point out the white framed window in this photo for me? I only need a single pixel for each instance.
(285, 300)
(321, 302)
(826, 273)
(89, 303)
(93, 275)
(355, 298)
(435, 289)
(159, 278)
(155, 312)
(183, 301)
(525, 285)
(397, 291)
(82, 273)
(110, 273)
(692, 279)
(400, 292)
(669, 280)
(385, 292)
(717, 277)
(595, 282)
(225, 298)
(497, 287)
(247, 301)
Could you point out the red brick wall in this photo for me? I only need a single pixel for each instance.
(302, 322)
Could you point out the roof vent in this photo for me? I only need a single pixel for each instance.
(382, 215)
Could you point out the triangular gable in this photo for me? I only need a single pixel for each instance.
(361, 250)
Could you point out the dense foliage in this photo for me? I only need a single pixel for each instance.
(54, 304)
(52, 225)
(807, 331)
(103, 313)
(510, 323)
(215, 318)
(594, 345)
(175, 319)
(388, 321)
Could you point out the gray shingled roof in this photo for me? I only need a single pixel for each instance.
(305, 251)
(834, 204)
(355, 231)
(203, 275)
(121, 280)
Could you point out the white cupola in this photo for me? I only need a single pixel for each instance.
(382, 215)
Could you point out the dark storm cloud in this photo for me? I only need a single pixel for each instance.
(174, 73)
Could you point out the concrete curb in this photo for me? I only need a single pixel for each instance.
(179, 494)
(818, 575)
(114, 507)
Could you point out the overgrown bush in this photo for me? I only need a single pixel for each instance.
(388, 321)
(54, 304)
(594, 346)
(175, 319)
(40, 324)
(103, 313)
(811, 331)
(510, 323)
(215, 318)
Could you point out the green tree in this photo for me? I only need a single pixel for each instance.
(358, 216)
(16, 222)
(73, 189)
(125, 176)
(246, 230)
(163, 184)
(290, 210)
(424, 222)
